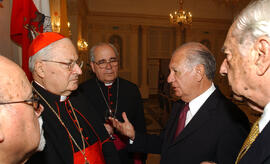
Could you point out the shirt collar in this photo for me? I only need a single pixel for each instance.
(265, 117)
(195, 104)
(105, 84)
(108, 84)
(63, 98)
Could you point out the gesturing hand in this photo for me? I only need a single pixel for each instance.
(125, 128)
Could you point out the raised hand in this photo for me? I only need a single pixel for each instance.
(125, 128)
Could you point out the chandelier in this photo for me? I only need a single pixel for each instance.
(82, 45)
(181, 16)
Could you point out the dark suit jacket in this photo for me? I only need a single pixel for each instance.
(215, 133)
(129, 101)
(259, 152)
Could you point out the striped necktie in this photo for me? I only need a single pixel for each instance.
(254, 132)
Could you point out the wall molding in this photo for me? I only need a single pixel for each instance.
(151, 20)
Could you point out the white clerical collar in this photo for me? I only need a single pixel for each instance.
(195, 104)
(265, 117)
(63, 98)
(108, 84)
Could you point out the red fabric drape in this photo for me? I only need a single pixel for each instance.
(24, 12)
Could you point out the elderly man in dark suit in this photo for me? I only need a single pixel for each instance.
(247, 61)
(203, 125)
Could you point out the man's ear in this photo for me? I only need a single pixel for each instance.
(39, 69)
(262, 60)
(199, 72)
(92, 66)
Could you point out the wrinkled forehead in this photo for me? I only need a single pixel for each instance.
(104, 52)
(15, 88)
(178, 58)
(13, 81)
(64, 50)
(230, 33)
(230, 42)
(25, 88)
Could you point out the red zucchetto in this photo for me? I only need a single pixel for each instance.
(43, 40)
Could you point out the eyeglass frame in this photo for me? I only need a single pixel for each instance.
(34, 99)
(70, 65)
(111, 61)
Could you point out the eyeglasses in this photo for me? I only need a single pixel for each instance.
(103, 63)
(69, 65)
(33, 101)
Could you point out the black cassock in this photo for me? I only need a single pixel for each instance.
(129, 101)
(59, 146)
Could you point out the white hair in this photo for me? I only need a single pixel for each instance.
(253, 22)
(92, 50)
(43, 54)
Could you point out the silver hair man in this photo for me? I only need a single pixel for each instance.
(92, 50)
(43, 54)
(201, 55)
(247, 66)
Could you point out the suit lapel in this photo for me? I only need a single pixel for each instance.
(259, 151)
(201, 117)
(199, 120)
(173, 124)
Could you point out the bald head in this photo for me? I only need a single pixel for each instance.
(13, 81)
(19, 126)
(194, 46)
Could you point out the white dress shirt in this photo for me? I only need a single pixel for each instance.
(195, 104)
(265, 117)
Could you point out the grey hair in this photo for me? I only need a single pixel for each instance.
(43, 54)
(253, 22)
(92, 50)
(199, 54)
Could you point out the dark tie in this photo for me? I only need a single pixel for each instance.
(181, 120)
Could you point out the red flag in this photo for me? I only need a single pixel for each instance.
(1, 5)
(25, 16)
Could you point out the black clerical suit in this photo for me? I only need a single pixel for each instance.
(129, 101)
(215, 133)
(59, 147)
(259, 151)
